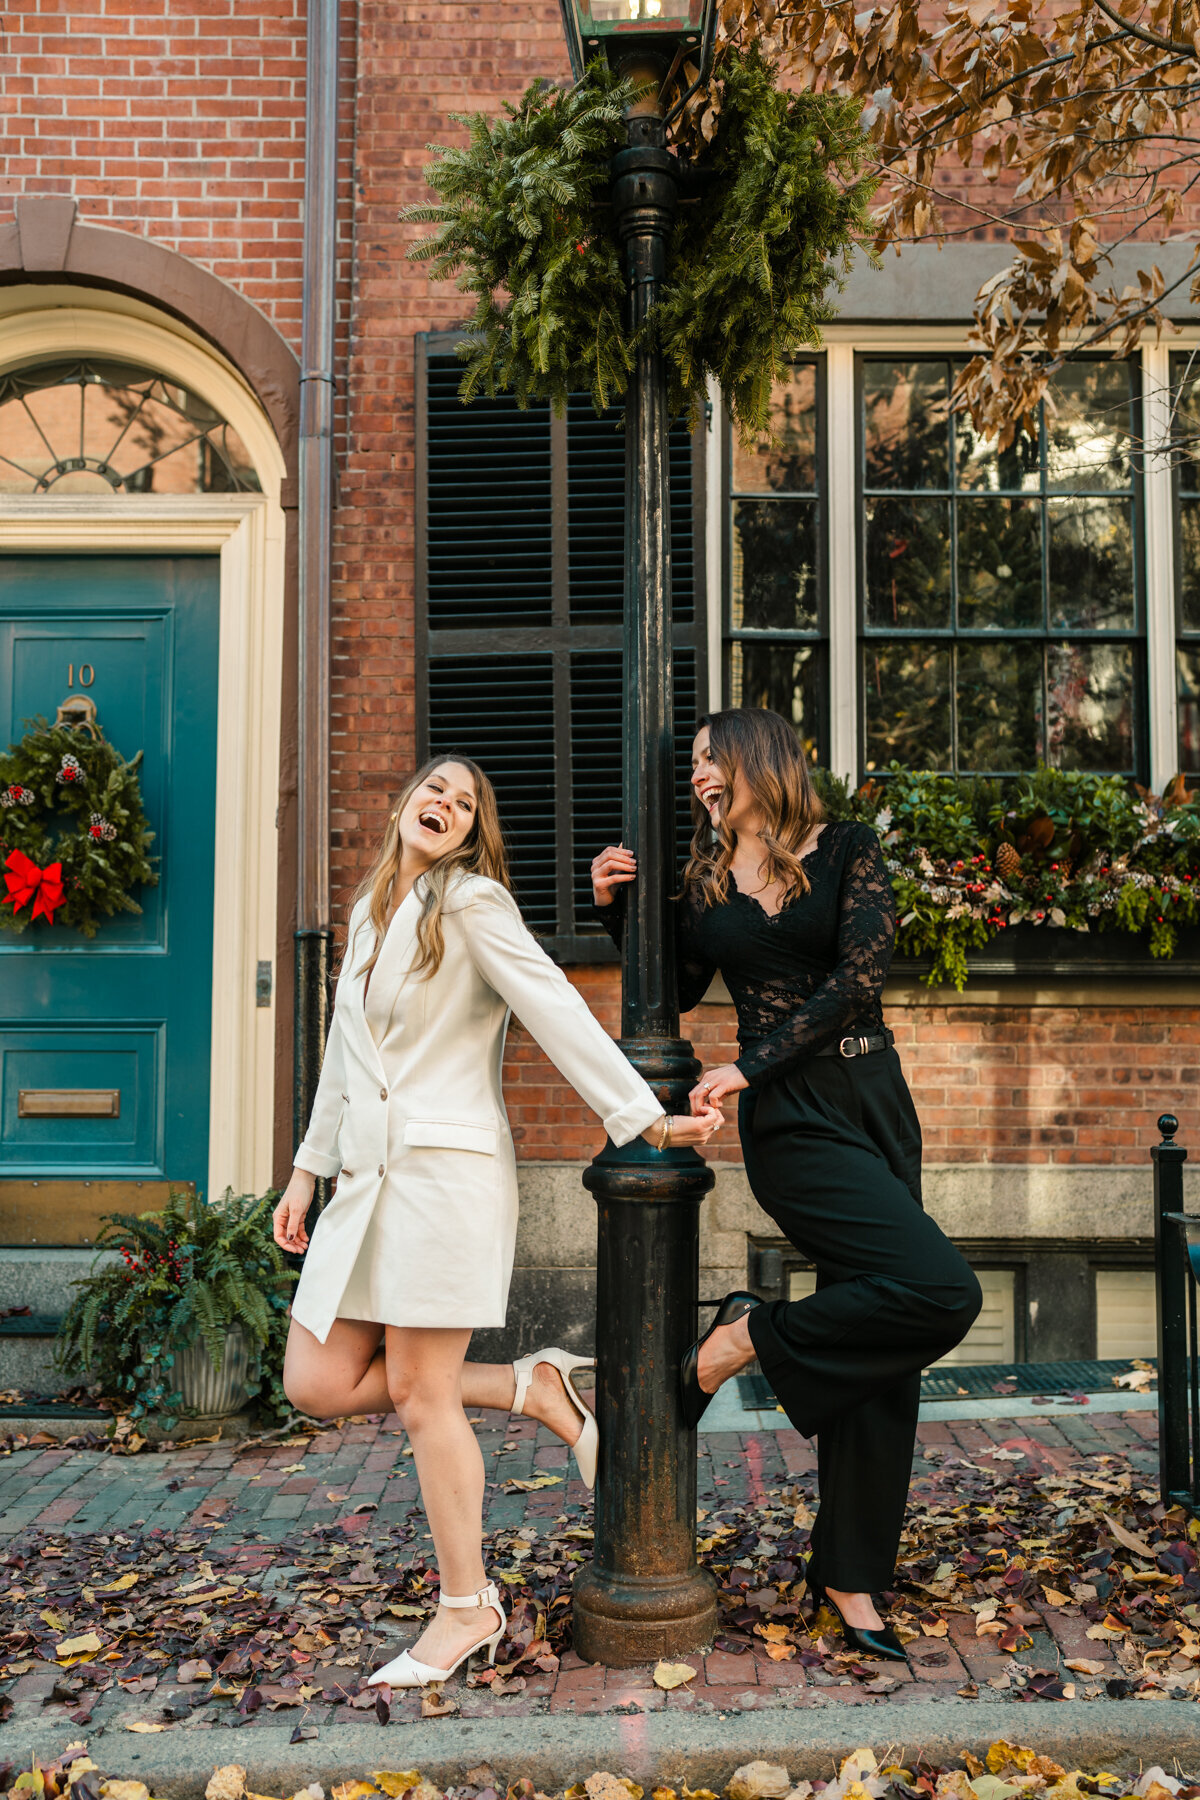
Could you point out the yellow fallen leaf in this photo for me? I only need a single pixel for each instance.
(252, 1796)
(1103, 1634)
(776, 1633)
(142, 1725)
(79, 1646)
(353, 1790)
(670, 1675)
(936, 1630)
(1086, 1665)
(124, 1790)
(291, 1469)
(780, 1652)
(1054, 1598)
(120, 1586)
(537, 1481)
(406, 1612)
(56, 1621)
(395, 1783)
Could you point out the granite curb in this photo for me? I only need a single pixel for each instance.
(1122, 1735)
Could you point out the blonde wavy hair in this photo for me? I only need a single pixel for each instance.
(481, 852)
(764, 746)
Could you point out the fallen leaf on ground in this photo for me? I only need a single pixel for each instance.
(759, 1781)
(226, 1783)
(670, 1675)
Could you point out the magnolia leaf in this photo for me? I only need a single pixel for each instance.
(87, 1645)
(759, 1781)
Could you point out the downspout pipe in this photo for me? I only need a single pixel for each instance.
(314, 933)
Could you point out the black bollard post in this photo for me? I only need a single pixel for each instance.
(1171, 1264)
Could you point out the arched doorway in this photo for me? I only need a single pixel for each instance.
(141, 561)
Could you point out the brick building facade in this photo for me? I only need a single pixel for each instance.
(151, 223)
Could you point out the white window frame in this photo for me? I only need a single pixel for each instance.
(842, 345)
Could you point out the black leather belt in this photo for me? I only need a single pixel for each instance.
(860, 1046)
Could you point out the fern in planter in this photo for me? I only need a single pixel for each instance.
(189, 1272)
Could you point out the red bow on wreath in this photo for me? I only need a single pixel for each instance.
(27, 882)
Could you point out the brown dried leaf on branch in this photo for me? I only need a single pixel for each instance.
(1079, 129)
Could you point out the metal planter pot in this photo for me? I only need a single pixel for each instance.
(211, 1393)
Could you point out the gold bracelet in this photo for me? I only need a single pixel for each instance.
(665, 1139)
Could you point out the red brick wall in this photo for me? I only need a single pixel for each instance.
(1012, 1084)
(417, 63)
(181, 119)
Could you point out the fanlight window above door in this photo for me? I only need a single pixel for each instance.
(102, 427)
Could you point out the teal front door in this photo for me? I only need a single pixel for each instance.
(128, 1011)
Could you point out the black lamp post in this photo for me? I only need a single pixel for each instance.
(644, 1595)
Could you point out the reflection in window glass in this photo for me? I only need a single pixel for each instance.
(775, 637)
(787, 680)
(104, 427)
(775, 565)
(908, 562)
(1000, 599)
(1187, 659)
(906, 704)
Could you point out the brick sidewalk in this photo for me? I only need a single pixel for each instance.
(254, 1495)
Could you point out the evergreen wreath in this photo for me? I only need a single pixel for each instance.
(523, 224)
(74, 836)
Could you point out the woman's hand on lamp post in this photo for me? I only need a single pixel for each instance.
(611, 869)
(714, 1085)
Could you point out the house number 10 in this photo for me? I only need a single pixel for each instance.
(87, 675)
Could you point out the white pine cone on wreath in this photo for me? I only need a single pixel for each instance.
(16, 795)
(99, 828)
(71, 773)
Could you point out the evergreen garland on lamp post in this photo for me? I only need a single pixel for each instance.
(524, 226)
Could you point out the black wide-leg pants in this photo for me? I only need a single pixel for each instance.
(833, 1154)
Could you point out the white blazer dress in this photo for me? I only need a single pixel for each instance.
(409, 1114)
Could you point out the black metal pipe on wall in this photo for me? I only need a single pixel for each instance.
(314, 935)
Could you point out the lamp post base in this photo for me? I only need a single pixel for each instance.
(644, 1595)
(619, 1621)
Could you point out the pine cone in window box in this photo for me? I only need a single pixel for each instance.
(1008, 861)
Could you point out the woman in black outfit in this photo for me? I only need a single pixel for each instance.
(798, 916)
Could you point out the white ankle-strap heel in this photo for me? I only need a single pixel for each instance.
(404, 1671)
(586, 1447)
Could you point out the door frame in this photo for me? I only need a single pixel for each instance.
(246, 532)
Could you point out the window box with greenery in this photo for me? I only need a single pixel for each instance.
(195, 1300)
(1063, 859)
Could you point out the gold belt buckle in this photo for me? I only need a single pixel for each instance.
(861, 1050)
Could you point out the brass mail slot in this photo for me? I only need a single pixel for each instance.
(68, 1103)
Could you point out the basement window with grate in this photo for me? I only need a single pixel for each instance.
(520, 581)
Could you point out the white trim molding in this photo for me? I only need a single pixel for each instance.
(1160, 565)
(842, 516)
(247, 532)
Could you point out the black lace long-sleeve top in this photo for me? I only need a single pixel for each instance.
(803, 976)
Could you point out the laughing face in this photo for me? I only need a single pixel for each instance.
(731, 803)
(438, 814)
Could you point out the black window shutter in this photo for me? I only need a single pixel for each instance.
(520, 577)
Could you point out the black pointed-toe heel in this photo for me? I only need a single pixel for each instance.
(866, 1640)
(693, 1398)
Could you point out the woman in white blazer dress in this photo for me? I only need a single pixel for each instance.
(415, 1251)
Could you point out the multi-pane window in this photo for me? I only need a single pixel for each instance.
(520, 596)
(775, 643)
(1001, 619)
(1185, 420)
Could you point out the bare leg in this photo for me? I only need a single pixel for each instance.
(726, 1353)
(425, 1379)
(348, 1374)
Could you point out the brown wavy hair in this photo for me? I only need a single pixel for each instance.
(764, 746)
(482, 852)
